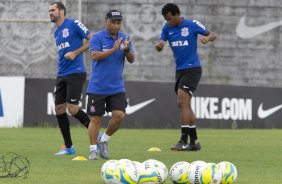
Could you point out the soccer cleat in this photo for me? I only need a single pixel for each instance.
(93, 155)
(103, 146)
(66, 151)
(180, 146)
(193, 147)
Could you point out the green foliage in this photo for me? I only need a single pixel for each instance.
(255, 153)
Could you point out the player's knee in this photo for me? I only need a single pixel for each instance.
(73, 109)
(60, 109)
(118, 116)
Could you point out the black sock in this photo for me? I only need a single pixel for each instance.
(184, 134)
(193, 134)
(82, 117)
(64, 125)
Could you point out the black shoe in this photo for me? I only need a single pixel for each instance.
(193, 147)
(180, 146)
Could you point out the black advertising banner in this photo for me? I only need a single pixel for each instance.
(153, 105)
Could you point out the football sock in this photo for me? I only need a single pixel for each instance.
(82, 117)
(193, 134)
(64, 125)
(105, 138)
(184, 133)
(93, 147)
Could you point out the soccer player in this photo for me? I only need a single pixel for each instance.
(71, 76)
(182, 34)
(106, 92)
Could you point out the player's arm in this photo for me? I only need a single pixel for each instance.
(209, 36)
(72, 55)
(99, 55)
(160, 45)
(128, 53)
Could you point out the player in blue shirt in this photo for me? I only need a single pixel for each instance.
(182, 34)
(71, 75)
(106, 91)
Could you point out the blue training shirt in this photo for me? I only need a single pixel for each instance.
(183, 42)
(69, 37)
(106, 74)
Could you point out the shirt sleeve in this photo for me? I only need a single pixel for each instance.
(95, 44)
(81, 29)
(199, 27)
(163, 35)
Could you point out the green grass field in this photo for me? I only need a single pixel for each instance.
(255, 153)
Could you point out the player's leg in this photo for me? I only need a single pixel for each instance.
(116, 104)
(188, 85)
(74, 89)
(95, 109)
(62, 117)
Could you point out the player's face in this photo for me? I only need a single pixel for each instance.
(172, 20)
(113, 26)
(54, 13)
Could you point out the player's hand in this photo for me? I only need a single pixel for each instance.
(160, 45)
(117, 43)
(126, 44)
(203, 39)
(70, 55)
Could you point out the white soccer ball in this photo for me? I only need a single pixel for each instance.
(229, 172)
(126, 173)
(195, 171)
(160, 167)
(147, 174)
(179, 172)
(108, 172)
(211, 174)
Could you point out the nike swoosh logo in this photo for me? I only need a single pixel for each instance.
(265, 113)
(73, 100)
(184, 147)
(245, 31)
(131, 109)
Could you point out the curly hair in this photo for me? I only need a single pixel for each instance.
(172, 8)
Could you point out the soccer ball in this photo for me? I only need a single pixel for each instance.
(229, 172)
(178, 173)
(108, 172)
(211, 174)
(195, 171)
(126, 173)
(159, 166)
(147, 174)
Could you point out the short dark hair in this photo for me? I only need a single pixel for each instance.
(172, 8)
(60, 6)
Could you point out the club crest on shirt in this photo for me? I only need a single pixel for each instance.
(184, 31)
(65, 33)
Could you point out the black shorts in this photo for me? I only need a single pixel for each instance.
(68, 88)
(98, 104)
(188, 79)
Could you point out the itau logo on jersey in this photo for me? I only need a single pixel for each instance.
(1, 106)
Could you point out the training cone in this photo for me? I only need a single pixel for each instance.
(154, 149)
(79, 158)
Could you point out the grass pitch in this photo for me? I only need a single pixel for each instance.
(255, 153)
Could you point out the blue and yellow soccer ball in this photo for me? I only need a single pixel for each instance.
(229, 172)
(148, 174)
(108, 172)
(159, 167)
(195, 171)
(126, 173)
(211, 174)
(178, 173)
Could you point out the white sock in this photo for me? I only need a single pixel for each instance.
(93, 147)
(105, 138)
